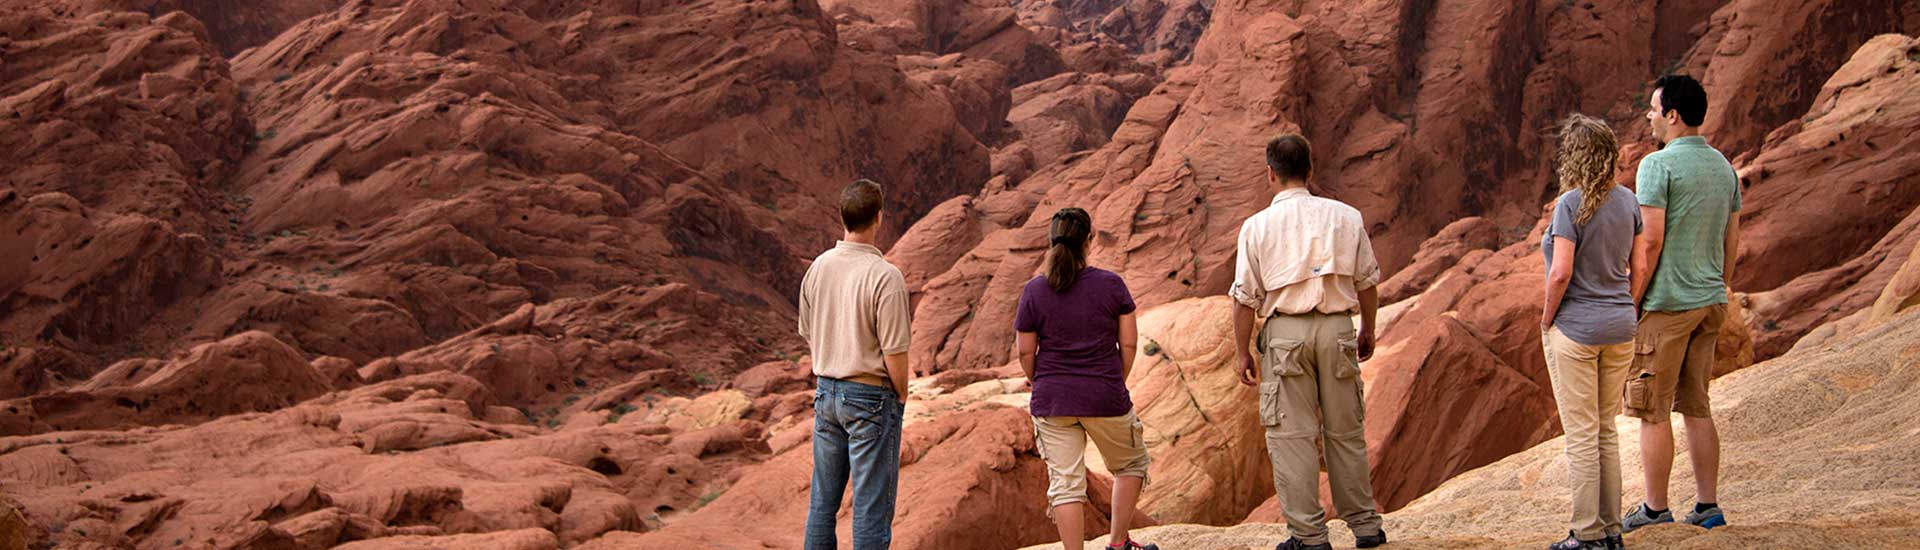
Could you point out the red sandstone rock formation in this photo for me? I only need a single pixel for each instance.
(1158, 30)
(959, 473)
(118, 129)
(233, 25)
(1456, 242)
(456, 274)
(1415, 136)
(1786, 48)
(249, 372)
(1202, 426)
(411, 456)
(1832, 206)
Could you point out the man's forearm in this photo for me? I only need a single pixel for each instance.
(1369, 308)
(1650, 257)
(897, 366)
(1242, 328)
(1732, 254)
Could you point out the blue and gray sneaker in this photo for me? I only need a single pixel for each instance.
(1710, 518)
(1642, 517)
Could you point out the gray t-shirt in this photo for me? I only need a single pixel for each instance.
(1598, 307)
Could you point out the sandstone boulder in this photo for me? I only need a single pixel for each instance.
(1802, 265)
(1440, 403)
(1787, 47)
(249, 372)
(1202, 425)
(1183, 169)
(524, 539)
(121, 126)
(958, 472)
(402, 458)
(1902, 293)
(233, 26)
(1439, 253)
(1792, 425)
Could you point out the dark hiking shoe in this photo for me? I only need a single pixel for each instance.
(1371, 541)
(1131, 545)
(1295, 544)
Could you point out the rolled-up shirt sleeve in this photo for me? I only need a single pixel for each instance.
(1247, 289)
(1366, 269)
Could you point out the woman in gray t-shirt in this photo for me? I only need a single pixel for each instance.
(1587, 321)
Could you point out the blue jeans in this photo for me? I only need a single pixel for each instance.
(856, 436)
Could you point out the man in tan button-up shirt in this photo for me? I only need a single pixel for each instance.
(1305, 266)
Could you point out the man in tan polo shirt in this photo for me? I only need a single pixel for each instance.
(1305, 266)
(853, 313)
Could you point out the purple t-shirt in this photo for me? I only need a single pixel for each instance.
(1077, 371)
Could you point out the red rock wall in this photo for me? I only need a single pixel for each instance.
(437, 273)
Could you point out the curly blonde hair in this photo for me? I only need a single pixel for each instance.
(1586, 159)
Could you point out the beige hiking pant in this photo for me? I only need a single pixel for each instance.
(1586, 386)
(1309, 388)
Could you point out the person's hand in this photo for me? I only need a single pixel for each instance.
(1366, 345)
(1249, 372)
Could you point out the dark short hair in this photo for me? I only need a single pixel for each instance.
(1290, 156)
(860, 204)
(1682, 93)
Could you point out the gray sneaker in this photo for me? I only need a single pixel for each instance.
(1708, 519)
(1640, 517)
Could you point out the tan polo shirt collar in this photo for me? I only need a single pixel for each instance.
(851, 246)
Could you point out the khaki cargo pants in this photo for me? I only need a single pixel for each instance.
(1309, 388)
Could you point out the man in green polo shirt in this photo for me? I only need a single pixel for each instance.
(1690, 202)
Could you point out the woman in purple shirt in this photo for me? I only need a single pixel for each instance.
(1076, 337)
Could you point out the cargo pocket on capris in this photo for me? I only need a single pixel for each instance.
(1039, 445)
(1639, 388)
(1283, 359)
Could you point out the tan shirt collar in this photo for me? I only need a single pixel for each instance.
(851, 246)
(1293, 193)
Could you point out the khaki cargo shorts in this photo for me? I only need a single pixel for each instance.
(1062, 442)
(1672, 364)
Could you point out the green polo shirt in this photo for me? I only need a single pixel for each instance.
(1699, 190)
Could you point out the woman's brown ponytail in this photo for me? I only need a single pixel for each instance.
(1067, 256)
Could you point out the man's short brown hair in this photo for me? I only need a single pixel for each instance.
(1290, 156)
(860, 204)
